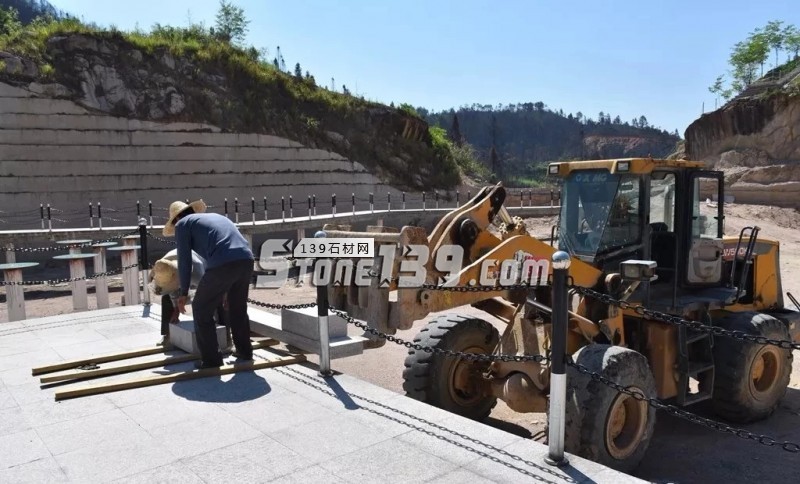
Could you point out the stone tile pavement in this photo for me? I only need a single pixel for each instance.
(277, 425)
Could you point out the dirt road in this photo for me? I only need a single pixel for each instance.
(680, 451)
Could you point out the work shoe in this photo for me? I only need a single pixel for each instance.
(202, 365)
(242, 356)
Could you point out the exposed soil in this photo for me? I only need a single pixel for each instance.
(680, 451)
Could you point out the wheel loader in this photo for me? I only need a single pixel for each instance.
(645, 231)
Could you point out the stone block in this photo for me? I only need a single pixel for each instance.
(271, 326)
(182, 335)
(305, 322)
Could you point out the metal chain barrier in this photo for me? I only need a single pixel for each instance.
(162, 239)
(57, 248)
(54, 282)
(282, 306)
(678, 321)
(427, 349)
(639, 309)
(678, 412)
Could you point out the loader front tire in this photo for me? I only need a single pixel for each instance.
(602, 424)
(450, 383)
(750, 378)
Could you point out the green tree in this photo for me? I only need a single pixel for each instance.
(455, 132)
(298, 72)
(231, 24)
(792, 41)
(642, 121)
(758, 48)
(775, 36)
(717, 88)
(9, 21)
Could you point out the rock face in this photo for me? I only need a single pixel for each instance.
(106, 74)
(755, 140)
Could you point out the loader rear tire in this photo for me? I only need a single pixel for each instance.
(447, 382)
(602, 424)
(750, 378)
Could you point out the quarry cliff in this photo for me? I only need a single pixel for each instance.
(206, 83)
(755, 140)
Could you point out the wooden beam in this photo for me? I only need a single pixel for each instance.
(116, 370)
(67, 365)
(175, 377)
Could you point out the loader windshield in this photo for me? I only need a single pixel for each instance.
(599, 213)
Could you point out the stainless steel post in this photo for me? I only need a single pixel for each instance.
(324, 337)
(558, 376)
(144, 263)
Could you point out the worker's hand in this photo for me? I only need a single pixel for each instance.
(175, 315)
(182, 304)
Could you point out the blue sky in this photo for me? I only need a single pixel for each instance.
(629, 58)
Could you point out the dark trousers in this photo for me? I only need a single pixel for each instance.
(167, 309)
(232, 278)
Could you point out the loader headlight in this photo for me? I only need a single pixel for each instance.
(638, 270)
(623, 166)
(552, 169)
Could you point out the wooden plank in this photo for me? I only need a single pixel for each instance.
(175, 377)
(116, 370)
(67, 365)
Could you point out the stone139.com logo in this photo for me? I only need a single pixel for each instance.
(353, 261)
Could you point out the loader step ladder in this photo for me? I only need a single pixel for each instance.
(695, 361)
(747, 260)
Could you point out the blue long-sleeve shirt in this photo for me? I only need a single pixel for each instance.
(214, 237)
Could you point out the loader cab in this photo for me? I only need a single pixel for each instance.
(666, 211)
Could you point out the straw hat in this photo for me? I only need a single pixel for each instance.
(175, 209)
(165, 275)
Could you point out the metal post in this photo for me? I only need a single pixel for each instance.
(266, 214)
(138, 210)
(551, 197)
(309, 207)
(458, 199)
(41, 213)
(99, 216)
(283, 208)
(530, 198)
(91, 216)
(322, 312)
(436, 196)
(150, 210)
(291, 207)
(236, 208)
(49, 220)
(144, 264)
(253, 209)
(226, 207)
(423, 201)
(314, 203)
(353, 199)
(404, 200)
(558, 376)
(520, 199)
(333, 204)
(389, 201)
(371, 203)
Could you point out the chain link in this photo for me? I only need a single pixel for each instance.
(161, 239)
(428, 349)
(678, 321)
(680, 413)
(282, 306)
(53, 282)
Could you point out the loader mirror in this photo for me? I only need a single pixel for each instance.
(638, 270)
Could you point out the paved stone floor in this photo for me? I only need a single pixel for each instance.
(282, 424)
